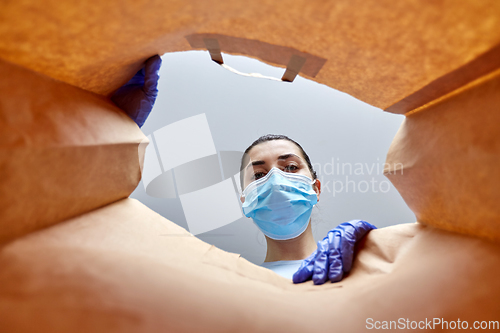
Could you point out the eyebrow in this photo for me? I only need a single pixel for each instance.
(281, 157)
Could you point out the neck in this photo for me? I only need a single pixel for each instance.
(298, 248)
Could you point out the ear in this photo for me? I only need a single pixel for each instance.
(317, 187)
(242, 199)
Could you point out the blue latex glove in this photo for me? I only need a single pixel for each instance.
(334, 255)
(137, 96)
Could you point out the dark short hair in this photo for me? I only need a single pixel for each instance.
(270, 137)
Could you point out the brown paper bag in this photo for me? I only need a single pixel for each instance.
(445, 160)
(63, 151)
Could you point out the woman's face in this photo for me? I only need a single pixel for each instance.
(282, 154)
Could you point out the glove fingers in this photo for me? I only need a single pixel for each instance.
(144, 111)
(152, 69)
(305, 270)
(320, 271)
(137, 80)
(347, 246)
(335, 267)
(128, 99)
(361, 228)
(352, 232)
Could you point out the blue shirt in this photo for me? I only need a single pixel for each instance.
(285, 268)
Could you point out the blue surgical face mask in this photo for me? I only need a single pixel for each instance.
(280, 203)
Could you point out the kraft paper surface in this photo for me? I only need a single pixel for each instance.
(63, 151)
(445, 160)
(76, 255)
(125, 268)
(379, 51)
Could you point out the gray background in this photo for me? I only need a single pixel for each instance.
(330, 125)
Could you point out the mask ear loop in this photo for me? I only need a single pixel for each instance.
(313, 182)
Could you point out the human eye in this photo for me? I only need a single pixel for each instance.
(258, 175)
(291, 168)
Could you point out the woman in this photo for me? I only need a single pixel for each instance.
(280, 190)
(280, 203)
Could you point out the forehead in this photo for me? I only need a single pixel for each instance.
(272, 149)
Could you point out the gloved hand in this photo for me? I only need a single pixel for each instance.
(334, 255)
(137, 96)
